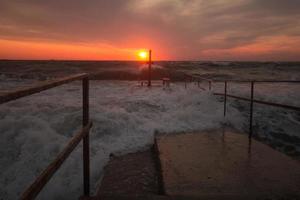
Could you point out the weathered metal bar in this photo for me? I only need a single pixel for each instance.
(259, 81)
(16, 94)
(86, 147)
(205, 79)
(197, 77)
(149, 68)
(242, 81)
(251, 110)
(261, 102)
(280, 81)
(45, 176)
(225, 97)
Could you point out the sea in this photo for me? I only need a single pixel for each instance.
(126, 115)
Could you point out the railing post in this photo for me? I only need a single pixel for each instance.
(149, 68)
(225, 97)
(251, 110)
(86, 150)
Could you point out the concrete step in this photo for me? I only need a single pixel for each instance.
(224, 165)
(132, 174)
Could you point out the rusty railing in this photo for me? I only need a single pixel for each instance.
(191, 78)
(34, 189)
(252, 100)
(198, 79)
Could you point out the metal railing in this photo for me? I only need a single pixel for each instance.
(198, 79)
(191, 78)
(34, 189)
(252, 100)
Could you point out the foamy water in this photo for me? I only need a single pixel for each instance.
(34, 129)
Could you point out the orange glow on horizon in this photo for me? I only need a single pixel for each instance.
(284, 48)
(44, 50)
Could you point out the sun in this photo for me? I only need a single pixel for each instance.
(143, 55)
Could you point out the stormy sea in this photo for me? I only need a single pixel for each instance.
(126, 116)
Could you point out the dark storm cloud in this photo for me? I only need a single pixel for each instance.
(189, 26)
(61, 19)
(286, 7)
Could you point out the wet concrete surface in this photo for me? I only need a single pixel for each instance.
(133, 175)
(225, 165)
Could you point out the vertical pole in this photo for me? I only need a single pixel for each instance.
(209, 85)
(251, 110)
(149, 68)
(86, 150)
(225, 97)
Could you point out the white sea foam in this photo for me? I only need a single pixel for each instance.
(34, 129)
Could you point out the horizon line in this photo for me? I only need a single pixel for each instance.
(160, 60)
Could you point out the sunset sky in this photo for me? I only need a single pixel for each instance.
(173, 29)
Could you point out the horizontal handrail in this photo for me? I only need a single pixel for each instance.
(198, 79)
(16, 94)
(198, 76)
(83, 135)
(257, 81)
(46, 175)
(261, 102)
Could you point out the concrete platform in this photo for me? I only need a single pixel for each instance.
(224, 165)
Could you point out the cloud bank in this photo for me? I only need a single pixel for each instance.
(174, 29)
